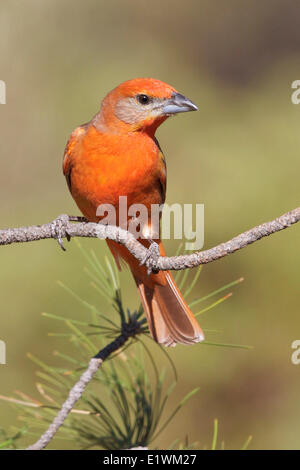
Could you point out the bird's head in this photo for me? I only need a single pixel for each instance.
(140, 104)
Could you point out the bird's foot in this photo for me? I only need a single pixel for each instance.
(59, 229)
(151, 257)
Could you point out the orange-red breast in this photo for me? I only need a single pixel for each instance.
(116, 154)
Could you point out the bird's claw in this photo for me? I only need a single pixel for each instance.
(151, 257)
(59, 229)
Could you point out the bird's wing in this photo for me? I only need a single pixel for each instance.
(67, 159)
(162, 176)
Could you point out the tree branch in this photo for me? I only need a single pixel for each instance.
(74, 395)
(129, 330)
(142, 254)
(64, 228)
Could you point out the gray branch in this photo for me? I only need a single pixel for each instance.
(74, 395)
(128, 330)
(64, 228)
(67, 228)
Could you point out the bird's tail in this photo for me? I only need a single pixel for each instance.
(169, 318)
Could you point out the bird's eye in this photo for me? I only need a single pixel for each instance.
(143, 99)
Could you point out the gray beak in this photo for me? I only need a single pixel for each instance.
(178, 104)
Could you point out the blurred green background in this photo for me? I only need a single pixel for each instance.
(239, 155)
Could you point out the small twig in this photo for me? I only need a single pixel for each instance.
(128, 330)
(93, 230)
(74, 395)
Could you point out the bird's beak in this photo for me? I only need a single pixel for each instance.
(178, 104)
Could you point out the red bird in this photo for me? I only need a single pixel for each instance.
(116, 154)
